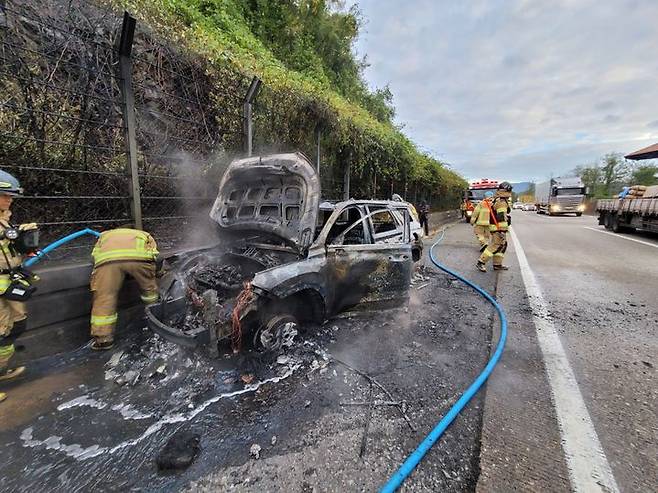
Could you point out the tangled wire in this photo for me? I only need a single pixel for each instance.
(244, 298)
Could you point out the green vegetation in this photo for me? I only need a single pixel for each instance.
(302, 50)
(608, 176)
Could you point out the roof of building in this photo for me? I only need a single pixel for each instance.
(650, 152)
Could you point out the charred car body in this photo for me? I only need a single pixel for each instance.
(281, 261)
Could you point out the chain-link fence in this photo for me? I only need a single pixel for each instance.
(63, 129)
(104, 124)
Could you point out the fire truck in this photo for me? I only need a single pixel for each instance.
(474, 194)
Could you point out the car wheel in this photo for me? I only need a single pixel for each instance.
(277, 332)
(578, 214)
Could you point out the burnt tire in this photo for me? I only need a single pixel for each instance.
(276, 332)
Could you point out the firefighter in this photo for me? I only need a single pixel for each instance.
(480, 220)
(13, 315)
(423, 215)
(499, 223)
(119, 253)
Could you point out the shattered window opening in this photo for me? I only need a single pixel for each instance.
(383, 221)
(350, 232)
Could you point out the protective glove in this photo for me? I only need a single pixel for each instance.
(159, 266)
(28, 227)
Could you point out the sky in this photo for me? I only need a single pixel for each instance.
(517, 89)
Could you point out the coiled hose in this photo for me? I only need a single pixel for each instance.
(58, 243)
(417, 455)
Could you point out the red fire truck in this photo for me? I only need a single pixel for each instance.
(474, 194)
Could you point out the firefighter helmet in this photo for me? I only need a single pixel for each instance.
(506, 186)
(9, 185)
(488, 194)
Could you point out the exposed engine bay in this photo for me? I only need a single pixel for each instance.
(281, 262)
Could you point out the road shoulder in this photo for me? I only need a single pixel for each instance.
(520, 444)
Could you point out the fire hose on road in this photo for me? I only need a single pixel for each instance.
(417, 455)
(56, 244)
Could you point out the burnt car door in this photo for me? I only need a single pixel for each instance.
(391, 231)
(359, 271)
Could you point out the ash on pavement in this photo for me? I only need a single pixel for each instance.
(102, 419)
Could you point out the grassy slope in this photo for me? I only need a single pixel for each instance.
(217, 30)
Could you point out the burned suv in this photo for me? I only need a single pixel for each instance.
(283, 260)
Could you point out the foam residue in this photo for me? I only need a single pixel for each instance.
(129, 412)
(82, 401)
(82, 453)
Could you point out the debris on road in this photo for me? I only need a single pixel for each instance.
(375, 382)
(247, 378)
(254, 451)
(180, 451)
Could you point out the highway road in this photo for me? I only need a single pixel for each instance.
(582, 301)
(570, 407)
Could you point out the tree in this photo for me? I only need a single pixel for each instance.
(591, 177)
(646, 174)
(614, 172)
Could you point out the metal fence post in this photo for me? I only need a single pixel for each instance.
(346, 178)
(317, 152)
(252, 92)
(125, 79)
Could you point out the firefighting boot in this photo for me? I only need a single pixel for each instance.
(8, 374)
(501, 267)
(481, 266)
(99, 345)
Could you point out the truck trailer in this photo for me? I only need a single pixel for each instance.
(629, 214)
(561, 195)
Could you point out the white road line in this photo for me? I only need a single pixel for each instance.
(588, 466)
(622, 236)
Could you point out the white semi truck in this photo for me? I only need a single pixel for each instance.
(561, 195)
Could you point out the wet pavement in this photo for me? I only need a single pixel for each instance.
(302, 420)
(86, 421)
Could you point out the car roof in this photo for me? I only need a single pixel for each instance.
(392, 203)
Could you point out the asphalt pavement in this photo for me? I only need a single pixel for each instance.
(578, 410)
(299, 421)
(571, 406)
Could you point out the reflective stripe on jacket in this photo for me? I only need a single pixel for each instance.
(480, 215)
(124, 244)
(14, 259)
(499, 215)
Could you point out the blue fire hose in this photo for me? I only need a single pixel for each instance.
(56, 244)
(417, 455)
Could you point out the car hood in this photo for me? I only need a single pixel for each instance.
(278, 195)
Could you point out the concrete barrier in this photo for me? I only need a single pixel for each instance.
(439, 219)
(58, 313)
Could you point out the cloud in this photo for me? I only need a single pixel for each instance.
(514, 87)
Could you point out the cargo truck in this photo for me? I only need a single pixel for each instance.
(628, 214)
(561, 195)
